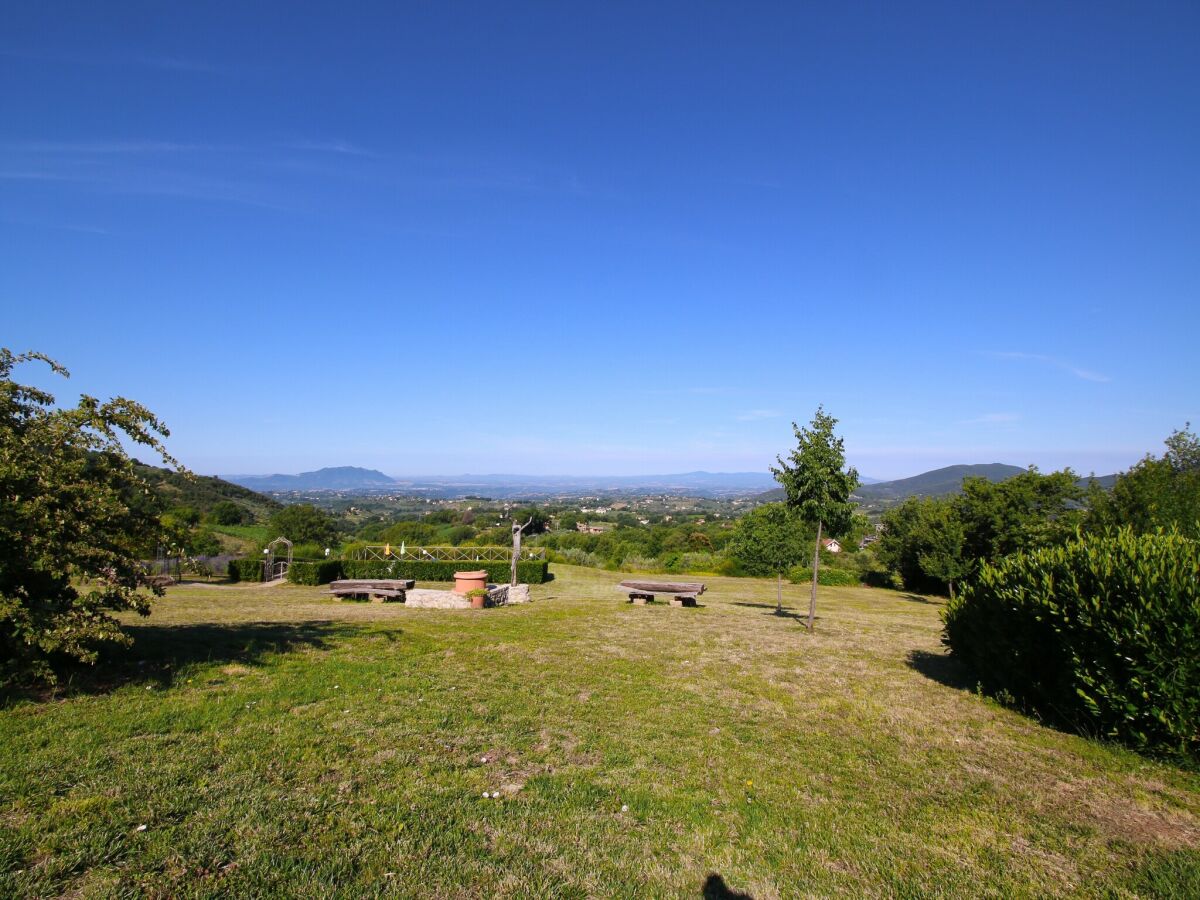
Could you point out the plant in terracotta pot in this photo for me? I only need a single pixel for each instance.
(478, 597)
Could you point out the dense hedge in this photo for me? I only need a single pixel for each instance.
(1102, 633)
(825, 576)
(530, 571)
(315, 572)
(248, 569)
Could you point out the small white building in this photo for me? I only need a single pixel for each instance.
(831, 545)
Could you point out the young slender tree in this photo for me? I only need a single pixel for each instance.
(767, 542)
(818, 486)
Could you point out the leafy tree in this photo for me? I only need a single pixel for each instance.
(74, 517)
(766, 541)
(304, 523)
(1156, 493)
(226, 512)
(818, 486)
(202, 542)
(945, 555)
(1026, 511)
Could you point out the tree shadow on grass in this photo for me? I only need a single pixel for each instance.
(940, 667)
(715, 888)
(160, 651)
(917, 598)
(789, 612)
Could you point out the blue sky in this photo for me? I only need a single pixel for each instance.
(627, 238)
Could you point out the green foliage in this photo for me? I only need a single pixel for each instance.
(205, 493)
(825, 576)
(1025, 511)
(814, 477)
(766, 541)
(312, 573)
(530, 571)
(71, 507)
(933, 543)
(226, 512)
(1156, 493)
(1102, 633)
(247, 569)
(303, 523)
(202, 542)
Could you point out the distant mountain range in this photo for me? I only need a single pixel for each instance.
(337, 478)
(760, 485)
(349, 479)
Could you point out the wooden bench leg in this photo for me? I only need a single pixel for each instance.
(683, 601)
(641, 599)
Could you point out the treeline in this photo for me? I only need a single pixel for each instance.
(933, 544)
(1085, 613)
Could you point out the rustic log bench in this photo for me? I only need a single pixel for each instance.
(682, 593)
(365, 588)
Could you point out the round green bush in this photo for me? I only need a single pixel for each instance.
(1101, 633)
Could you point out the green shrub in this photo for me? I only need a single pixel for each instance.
(531, 571)
(577, 557)
(312, 573)
(1101, 634)
(248, 569)
(826, 577)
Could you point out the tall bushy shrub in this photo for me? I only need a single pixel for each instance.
(247, 569)
(313, 573)
(1101, 633)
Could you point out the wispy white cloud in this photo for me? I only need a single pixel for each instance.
(344, 148)
(102, 148)
(755, 415)
(1064, 365)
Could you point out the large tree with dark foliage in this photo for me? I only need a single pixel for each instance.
(74, 519)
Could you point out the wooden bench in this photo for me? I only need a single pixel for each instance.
(365, 588)
(682, 593)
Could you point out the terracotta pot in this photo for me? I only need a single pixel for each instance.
(478, 602)
(468, 581)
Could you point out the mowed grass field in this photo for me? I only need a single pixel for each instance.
(273, 741)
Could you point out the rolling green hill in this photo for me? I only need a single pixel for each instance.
(203, 492)
(937, 483)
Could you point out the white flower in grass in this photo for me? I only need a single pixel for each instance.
(624, 807)
(141, 828)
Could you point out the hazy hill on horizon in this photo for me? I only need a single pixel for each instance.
(937, 483)
(354, 478)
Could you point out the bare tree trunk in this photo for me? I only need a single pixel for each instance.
(779, 594)
(812, 601)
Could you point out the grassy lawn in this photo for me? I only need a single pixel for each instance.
(273, 741)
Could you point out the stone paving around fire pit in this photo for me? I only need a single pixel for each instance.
(498, 595)
(423, 598)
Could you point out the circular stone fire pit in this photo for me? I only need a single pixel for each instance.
(467, 581)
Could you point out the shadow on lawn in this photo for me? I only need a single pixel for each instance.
(917, 598)
(715, 888)
(160, 651)
(788, 611)
(940, 667)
